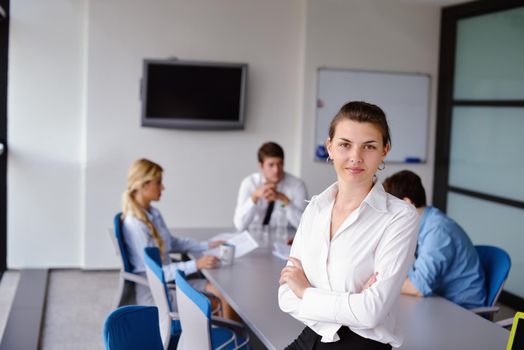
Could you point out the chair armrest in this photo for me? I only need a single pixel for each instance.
(218, 310)
(211, 295)
(485, 310)
(175, 256)
(134, 278)
(508, 322)
(224, 322)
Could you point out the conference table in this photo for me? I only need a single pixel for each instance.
(250, 286)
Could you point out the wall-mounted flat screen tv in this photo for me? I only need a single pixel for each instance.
(193, 95)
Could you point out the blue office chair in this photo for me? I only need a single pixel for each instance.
(496, 264)
(132, 328)
(199, 330)
(126, 283)
(170, 328)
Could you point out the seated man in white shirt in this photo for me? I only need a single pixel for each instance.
(270, 197)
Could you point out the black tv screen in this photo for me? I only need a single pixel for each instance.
(193, 95)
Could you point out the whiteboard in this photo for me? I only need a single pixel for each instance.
(403, 97)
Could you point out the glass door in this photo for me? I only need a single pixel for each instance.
(479, 172)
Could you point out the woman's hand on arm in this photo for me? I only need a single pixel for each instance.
(295, 277)
(370, 281)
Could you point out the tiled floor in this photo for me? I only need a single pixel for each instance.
(77, 305)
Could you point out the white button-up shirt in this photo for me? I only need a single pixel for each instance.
(248, 213)
(379, 236)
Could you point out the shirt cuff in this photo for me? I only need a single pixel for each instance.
(317, 310)
(190, 267)
(320, 305)
(418, 282)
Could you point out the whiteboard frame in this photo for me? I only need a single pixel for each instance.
(424, 157)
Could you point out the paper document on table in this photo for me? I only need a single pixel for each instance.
(281, 250)
(244, 243)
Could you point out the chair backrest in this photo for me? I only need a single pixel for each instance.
(119, 235)
(496, 264)
(132, 328)
(160, 292)
(194, 310)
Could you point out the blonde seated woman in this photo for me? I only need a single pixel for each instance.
(143, 226)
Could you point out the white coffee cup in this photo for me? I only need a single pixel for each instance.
(227, 254)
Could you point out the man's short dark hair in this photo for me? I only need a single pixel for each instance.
(404, 184)
(270, 149)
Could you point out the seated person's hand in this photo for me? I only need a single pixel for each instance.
(267, 191)
(271, 193)
(207, 262)
(214, 244)
(282, 197)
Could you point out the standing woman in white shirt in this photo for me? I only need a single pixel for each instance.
(354, 244)
(144, 226)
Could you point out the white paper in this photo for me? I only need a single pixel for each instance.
(281, 250)
(244, 243)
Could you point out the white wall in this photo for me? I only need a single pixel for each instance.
(202, 169)
(381, 35)
(74, 109)
(45, 97)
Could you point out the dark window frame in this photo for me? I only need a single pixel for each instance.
(445, 103)
(4, 45)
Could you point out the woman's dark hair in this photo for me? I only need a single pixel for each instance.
(270, 149)
(406, 184)
(362, 112)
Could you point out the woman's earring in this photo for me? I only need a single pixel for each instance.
(328, 159)
(382, 166)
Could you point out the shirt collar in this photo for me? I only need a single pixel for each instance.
(376, 198)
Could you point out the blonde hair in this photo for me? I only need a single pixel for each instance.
(141, 171)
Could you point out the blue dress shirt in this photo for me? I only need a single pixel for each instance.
(137, 236)
(447, 263)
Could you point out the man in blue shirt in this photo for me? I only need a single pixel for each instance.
(447, 263)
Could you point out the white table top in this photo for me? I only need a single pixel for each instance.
(250, 285)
